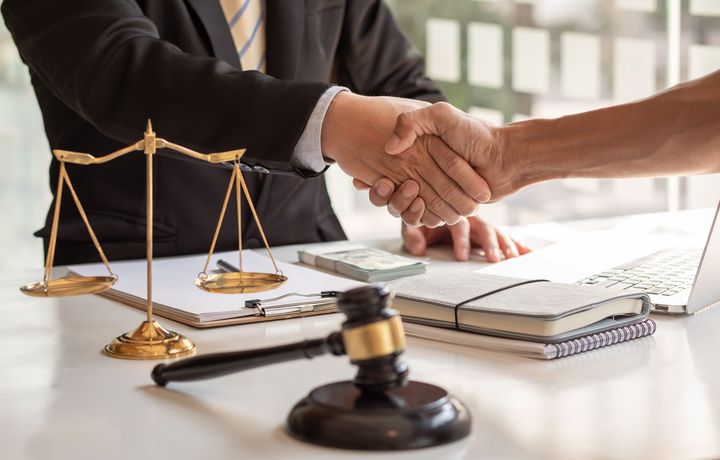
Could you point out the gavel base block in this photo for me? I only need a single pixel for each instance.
(413, 416)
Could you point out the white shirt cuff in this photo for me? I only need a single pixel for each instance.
(308, 150)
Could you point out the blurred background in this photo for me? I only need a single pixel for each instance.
(501, 60)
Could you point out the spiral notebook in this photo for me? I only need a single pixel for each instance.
(537, 350)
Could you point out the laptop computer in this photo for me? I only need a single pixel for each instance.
(679, 275)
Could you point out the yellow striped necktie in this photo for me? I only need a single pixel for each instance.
(247, 26)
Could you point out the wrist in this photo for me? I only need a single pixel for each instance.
(525, 155)
(355, 123)
(335, 138)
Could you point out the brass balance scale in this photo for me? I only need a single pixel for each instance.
(150, 340)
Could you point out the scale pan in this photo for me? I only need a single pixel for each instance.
(240, 282)
(69, 286)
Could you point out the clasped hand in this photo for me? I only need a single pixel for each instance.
(423, 179)
(354, 135)
(473, 140)
(479, 143)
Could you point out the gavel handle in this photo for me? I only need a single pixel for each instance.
(219, 364)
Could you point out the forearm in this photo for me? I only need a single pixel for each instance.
(106, 61)
(354, 134)
(676, 132)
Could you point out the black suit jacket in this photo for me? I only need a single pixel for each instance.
(101, 68)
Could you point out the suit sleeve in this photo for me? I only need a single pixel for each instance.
(376, 59)
(104, 59)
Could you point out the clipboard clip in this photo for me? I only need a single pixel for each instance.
(319, 301)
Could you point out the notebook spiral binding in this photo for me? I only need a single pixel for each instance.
(601, 339)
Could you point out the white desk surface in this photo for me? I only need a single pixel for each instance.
(60, 398)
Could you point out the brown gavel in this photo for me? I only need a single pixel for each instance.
(372, 337)
(378, 410)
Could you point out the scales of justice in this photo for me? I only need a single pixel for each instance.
(151, 340)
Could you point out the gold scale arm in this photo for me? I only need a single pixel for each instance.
(149, 145)
(150, 340)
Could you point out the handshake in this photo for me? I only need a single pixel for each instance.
(430, 164)
(434, 164)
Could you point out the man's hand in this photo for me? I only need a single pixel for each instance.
(403, 202)
(466, 234)
(480, 143)
(354, 134)
(638, 139)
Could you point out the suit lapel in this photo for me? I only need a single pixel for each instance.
(285, 28)
(213, 19)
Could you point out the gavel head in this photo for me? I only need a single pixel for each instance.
(374, 338)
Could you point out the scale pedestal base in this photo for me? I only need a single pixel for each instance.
(410, 417)
(150, 341)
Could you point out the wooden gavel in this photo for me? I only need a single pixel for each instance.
(378, 410)
(372, 337)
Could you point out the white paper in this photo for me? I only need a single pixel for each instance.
(484, 342)
(173, 282)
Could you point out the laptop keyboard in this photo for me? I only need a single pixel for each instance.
(666, 272)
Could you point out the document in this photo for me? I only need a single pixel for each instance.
(175, 295)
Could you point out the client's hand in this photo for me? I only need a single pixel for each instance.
(480, 143)
(354, 134)
(466, 234)
(403, 202)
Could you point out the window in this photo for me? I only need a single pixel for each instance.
(502, 60)
(24, 184)
(547, 58)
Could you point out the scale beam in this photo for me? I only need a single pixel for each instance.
(150, 340)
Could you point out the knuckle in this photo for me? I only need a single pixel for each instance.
(410, 218)
(459, 201)
(435, 204)
(415, 160)
(467, 207)
(442, 107)
(448, 191)
(453, 219)
(377, 200)
(404, 118)
(399, 202)
(452, 164)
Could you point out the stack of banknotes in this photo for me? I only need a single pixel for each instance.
(362, 263)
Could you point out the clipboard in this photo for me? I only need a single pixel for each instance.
(307, 292)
